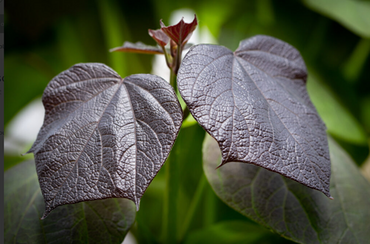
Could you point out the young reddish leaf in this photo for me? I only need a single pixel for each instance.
(255, 104)
(137, 47)
(159, 36)
(103, 136)
(181, 32)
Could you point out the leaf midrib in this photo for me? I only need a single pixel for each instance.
(97, 123)
(319, 180)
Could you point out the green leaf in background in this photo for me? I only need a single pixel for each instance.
(188, 153)
(71, 50)
(339, 121)
(23, 84)
(115, 32)
(103, 221)
(233, 232)
(354, 65)
(355, 15)
(12, 160)
(265, 12)
(290, 209)
(365, 113)
(214, 15)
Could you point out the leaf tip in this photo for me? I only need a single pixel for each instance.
(48, 208)
(327, 193)
(46, 214)
(161, 23)
(222, 163)
(31, 150)
(137, 203)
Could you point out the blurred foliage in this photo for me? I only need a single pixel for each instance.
(352, 14)
(47, 37)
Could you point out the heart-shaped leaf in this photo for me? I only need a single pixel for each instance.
(103, 136)
(100, 221)
(137, 47)
(255, 104)
(289, 208)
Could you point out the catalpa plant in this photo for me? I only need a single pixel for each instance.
(107, 137)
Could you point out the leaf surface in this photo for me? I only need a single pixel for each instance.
(255, 104)
(340, 122)
(137, 47)
(181, 32)
(354, 15)
(103, 136)
(159, 36)
(100, 221)
(289, 208)
(233, 232)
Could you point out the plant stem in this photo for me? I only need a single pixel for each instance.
(172, 187)
(172, 169)
(175, 67)
(170, 199)
(173, 82)
(167, 58)
(178, 58)
(186, 112)
(195, 203)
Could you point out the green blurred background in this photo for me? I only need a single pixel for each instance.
(44, 38)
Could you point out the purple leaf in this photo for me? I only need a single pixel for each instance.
(85, 222)
(159, 36)
(103, 136)
(255, 104)
(181, 32)
(290, 209)
(137, 47)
